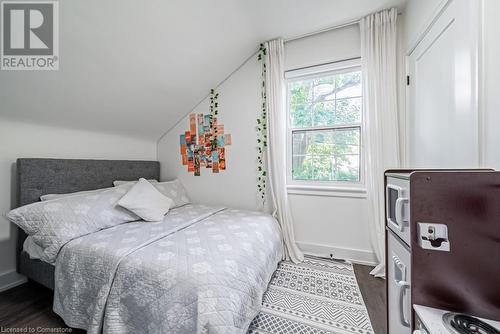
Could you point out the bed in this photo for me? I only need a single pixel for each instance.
(203, 269)
(37, 177)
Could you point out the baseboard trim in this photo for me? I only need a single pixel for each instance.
(11, 279)
(359, 256)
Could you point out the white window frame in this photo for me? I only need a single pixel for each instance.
(325, 188)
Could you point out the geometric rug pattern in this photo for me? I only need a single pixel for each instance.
(317, 296)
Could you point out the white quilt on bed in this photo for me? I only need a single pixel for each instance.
(201, 270)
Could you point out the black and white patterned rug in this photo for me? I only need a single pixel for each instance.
(317, 296)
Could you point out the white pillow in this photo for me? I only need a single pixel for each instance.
(49, 197)
(175, 191)
(119, 182)
(146, 202)
(33, 250)
(54, 223)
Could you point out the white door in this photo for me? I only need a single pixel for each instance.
(442, 92)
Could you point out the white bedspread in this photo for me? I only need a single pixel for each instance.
(201, 270)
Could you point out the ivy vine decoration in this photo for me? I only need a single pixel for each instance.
(214, 108)
(262, 130)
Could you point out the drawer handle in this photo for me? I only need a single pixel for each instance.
(398, 211)
(403, 286)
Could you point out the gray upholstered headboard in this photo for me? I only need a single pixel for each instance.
(36, 177)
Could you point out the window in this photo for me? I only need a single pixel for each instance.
(325, 121)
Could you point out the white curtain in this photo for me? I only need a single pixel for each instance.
(276, 140)
(379, 58)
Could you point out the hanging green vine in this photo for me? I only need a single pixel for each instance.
(262, 130)
(214, 109)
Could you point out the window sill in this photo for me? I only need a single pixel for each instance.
(328, 191)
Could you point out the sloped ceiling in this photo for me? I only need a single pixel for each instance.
(136, 67)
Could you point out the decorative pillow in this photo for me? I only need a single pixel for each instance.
(49, 197)
(119, 183)
(175, 191)
(54, 223)
(33, 250)
(145, 201)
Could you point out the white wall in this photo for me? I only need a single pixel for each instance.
(322, 48)
(239, 102)
(323, 224)
(34, 141)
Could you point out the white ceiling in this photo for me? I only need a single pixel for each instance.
(136, 67)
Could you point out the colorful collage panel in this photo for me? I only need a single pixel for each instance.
(204, 144)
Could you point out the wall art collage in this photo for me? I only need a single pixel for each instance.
(204, 144)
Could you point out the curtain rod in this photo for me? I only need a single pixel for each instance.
(335, 27)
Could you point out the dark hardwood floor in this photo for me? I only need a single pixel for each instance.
(30, 305)
(373, 291)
